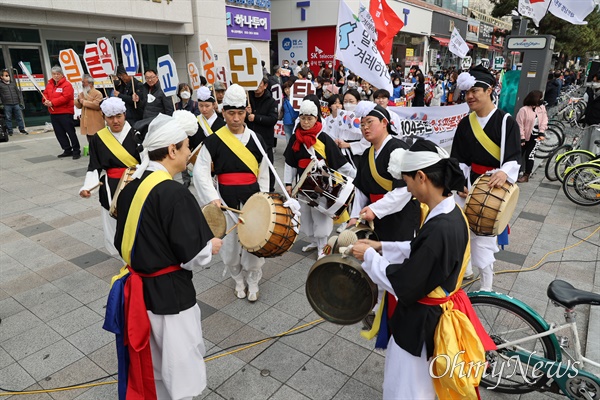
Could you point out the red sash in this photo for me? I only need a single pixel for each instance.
(115, 173)
(480, 169)
(462, 303)
(140, 379)
(237, 178)
(375, 197)
(303, 162)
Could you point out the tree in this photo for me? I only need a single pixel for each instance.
(571, 40)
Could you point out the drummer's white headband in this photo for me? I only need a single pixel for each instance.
(402, 160)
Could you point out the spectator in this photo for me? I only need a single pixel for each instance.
(219, 94)
(156, 101)
(184, 92)
(398, 89)
(533, 122)
(552, 89)
(275, 79)
(91, 120)
(264, 68)
(438, 91)
(419, 100)
(261, 117)
(59, 100)
(340, 76)
(329, 89)
(451, 88)
(12, 99)
(366, 90)
(592, 112)
(299, 67)
(289, 114)
(286, 72)
(134, 101)
(319, 82)
(382, 97)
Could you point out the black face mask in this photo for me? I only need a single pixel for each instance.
(117, 82)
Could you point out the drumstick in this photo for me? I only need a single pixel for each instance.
(240, 221)
(231, 209)
(96, 187)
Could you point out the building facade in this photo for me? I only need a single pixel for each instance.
(35, 31)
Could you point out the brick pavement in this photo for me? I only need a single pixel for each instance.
(55, 273)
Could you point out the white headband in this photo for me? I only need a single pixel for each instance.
(113, 106)
(402, 160)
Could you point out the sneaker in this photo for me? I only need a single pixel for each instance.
(65, 154)
(252, 296)
(24, 132)
(309, 248)
(76, 156)
(341, 228)
(10, 133)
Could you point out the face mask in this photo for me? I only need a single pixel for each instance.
(349, 107)
(6, 79)
(185, 95)
(309, 77)
(286, 65)
(326, 95)
(595, 85)
(330, 65)
(351, 84)
(396, 82)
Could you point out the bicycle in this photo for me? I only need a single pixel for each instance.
(525, 339)
(582, 183)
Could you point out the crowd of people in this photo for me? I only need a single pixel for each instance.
(412, 193)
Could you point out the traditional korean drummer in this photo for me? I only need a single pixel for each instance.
(241, 171)
(487, 141)
(308, 143)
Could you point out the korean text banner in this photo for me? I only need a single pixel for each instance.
(248, 24)
(437, 124)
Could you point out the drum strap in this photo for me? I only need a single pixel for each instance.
(238, 148)
(116, 148)
(319, 147)
(135, 211)
(381, 181)
(205, 125)
(482, 138)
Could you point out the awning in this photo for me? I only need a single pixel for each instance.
(443, 41)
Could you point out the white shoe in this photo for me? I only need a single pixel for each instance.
(310, 247)
(252, 296)
(240, 294)
(341, 228)
(321, 255)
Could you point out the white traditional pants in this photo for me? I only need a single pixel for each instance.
(406, 377)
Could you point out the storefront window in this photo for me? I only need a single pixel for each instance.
(19, 35)
(151, 53)
(55, 46)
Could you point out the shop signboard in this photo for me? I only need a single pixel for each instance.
(293, 46)
(247, 23)
(472, 30)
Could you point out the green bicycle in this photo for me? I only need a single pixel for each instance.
(582, 183)
(529, 354)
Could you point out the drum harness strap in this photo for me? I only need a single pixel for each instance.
(491, 147)
(381, 181)
(238, 148)
(116, 148)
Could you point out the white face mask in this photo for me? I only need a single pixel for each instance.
(349, 107)
(185, 95)
(286, 65)
(396, 82)
(309, 77)
(6, 79)
(351, 84)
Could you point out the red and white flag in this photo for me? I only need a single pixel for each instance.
(387, 25)
(534, 9)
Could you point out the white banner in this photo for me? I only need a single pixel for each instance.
(573, 11)
(91, 57)
(277, 94)
(207, 59)
(357, 50)
(457, 45)
(167, 74)
(71, 66)
(534, 10)
(437, 124)
(107, 55)
(194, 76)
(29, 76)
(367, 20)
(292, 47)
(129, 55)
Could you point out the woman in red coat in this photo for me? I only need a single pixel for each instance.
(59, 99)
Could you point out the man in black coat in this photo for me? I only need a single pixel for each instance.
(134, 101)
(261, 117)
(156, 101)
(552, 89)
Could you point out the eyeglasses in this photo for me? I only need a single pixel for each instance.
(151, 78)
(367, 123)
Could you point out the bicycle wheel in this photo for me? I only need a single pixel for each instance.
(551, 162)
(582, 184)
(506, 322)
(569, 160)
(552, 141)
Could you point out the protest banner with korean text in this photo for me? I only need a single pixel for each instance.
(277, 94)
(167, 74)
(91, 57)
(300, 89)
(129, 54)
(71, 66)
(194, 75)
(244, 64)
(207, 59)
(107, 55)
(222, 76)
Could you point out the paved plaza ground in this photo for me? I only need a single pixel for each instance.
(55, 274)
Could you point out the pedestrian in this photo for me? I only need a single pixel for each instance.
(533, 122)
(165, 348)
(289, 114)
(382, 98)
(419, 100)
(12, 99)
(58, 97)
(184, 93)
(438, 91)
(88, 100)
(552, 89)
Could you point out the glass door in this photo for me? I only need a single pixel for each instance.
(35, 113)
